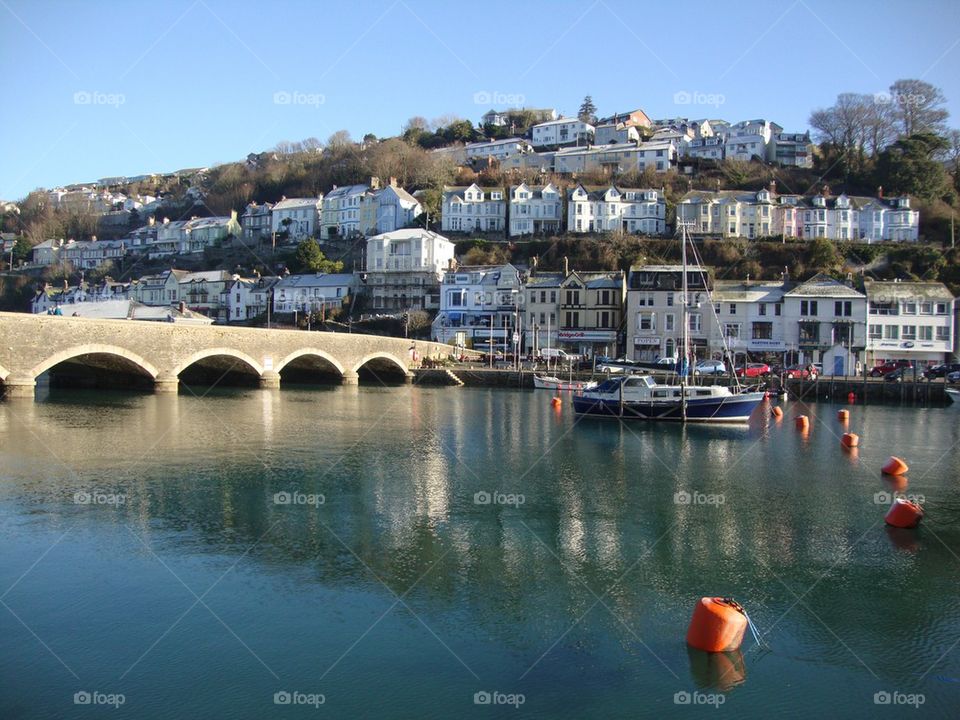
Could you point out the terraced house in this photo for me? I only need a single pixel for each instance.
(909, 321)
(474, 209)
(613, 209)
(296, 218)
(535, 209)
(341, 210)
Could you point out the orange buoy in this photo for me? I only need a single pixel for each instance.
(850, 440)
(717, 625)
(777, 412)
(843, 415)
(802, 422)
(556, 401)
(895, 466)
(904, 514)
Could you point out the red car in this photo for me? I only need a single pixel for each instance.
(801, 371)
(753, 370)
(889, 367)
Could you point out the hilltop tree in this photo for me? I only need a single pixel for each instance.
(588, 111)
(911, 166)
(341, 138)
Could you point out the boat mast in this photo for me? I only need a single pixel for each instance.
(686, 335)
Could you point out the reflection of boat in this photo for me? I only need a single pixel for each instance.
(640, 397)
(549, 382)
(953, 395)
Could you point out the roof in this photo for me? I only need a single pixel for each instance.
(738, 290)
(899, 290)
(205, 276)
(343, 192)
(560, 121)
(316, 280)
(287, 203)
(409, 234)
(821, 285)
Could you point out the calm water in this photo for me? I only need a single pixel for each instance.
(184, 586)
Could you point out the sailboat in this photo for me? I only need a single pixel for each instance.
(553, 382)
(641, 397)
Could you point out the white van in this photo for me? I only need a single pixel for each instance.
(555, 355)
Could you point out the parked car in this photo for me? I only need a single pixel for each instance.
(557, 356)
(941, 370)
(804, 372)
(888, 367)
(753, 370)
(710, 367)
(953, 377)
(896, 375)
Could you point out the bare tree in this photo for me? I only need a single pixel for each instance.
(341, 138)
(918, 107)
(445, 120)
(417, 122)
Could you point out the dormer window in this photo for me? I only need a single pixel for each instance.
(819, 201)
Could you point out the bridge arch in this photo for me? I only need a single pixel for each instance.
(304, 352)
(386, 363)
(215, 352)
(93, 349)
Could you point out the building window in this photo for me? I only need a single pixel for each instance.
(891, 332)
(694, 322)
(763, 331)
(843, 308)
(733, 308)
(763, 309)
(926, 332)
(808, 307)
(943, 333)
(876, 332)
(909, 332)
(941, 308)
(647, 321)
(732, 331)
(809, 333)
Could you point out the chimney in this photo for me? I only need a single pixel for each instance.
(880, 192)
(393, 182)
(566, 266)
(374, 183)
(826, 191)
(773, 187)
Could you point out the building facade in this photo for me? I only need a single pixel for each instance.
(405, 267)
(474, 209)
(909, 321)
(535, 209)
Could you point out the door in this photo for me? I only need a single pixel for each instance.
(838, 365)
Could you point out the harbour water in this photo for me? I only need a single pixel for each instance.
(435, 553)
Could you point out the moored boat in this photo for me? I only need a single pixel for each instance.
(549, 382)
(640, 397)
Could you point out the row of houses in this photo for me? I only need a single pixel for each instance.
(633, 142)
(639, 315)
(547, 209)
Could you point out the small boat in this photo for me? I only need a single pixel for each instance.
(953, 395)
(640, 397)
(549, 382)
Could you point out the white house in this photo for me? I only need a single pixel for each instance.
(748, 318)
(473, 209)
(497, 149)
(312, 292)
(395, 208)
(535, 209)
(404, 269)
(299, 218)
(630, 210)
(750, 139)
(608, 133)
(247, 298)
(480, 307)
(563, 131)
(793, 149)
(341, 210)
(909, 321)
(823, 321)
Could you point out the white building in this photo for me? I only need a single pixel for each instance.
(404, 269)
(560, 132)
(823, 322)
(80, 254)
(341, 210)
(247, 298)
(312, 292)
(480, 306)
(395, 208)
(750, 139)
(298, 218)
(535, 209)
(473, 209)
(729, 213)
(748, 318)
(608, 133)
(793, 150)
(909, 321)
(629, 210)
(497, 149)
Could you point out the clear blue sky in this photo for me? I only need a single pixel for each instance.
(99, 89)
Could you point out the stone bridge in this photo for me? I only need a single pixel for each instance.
(165, 353)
